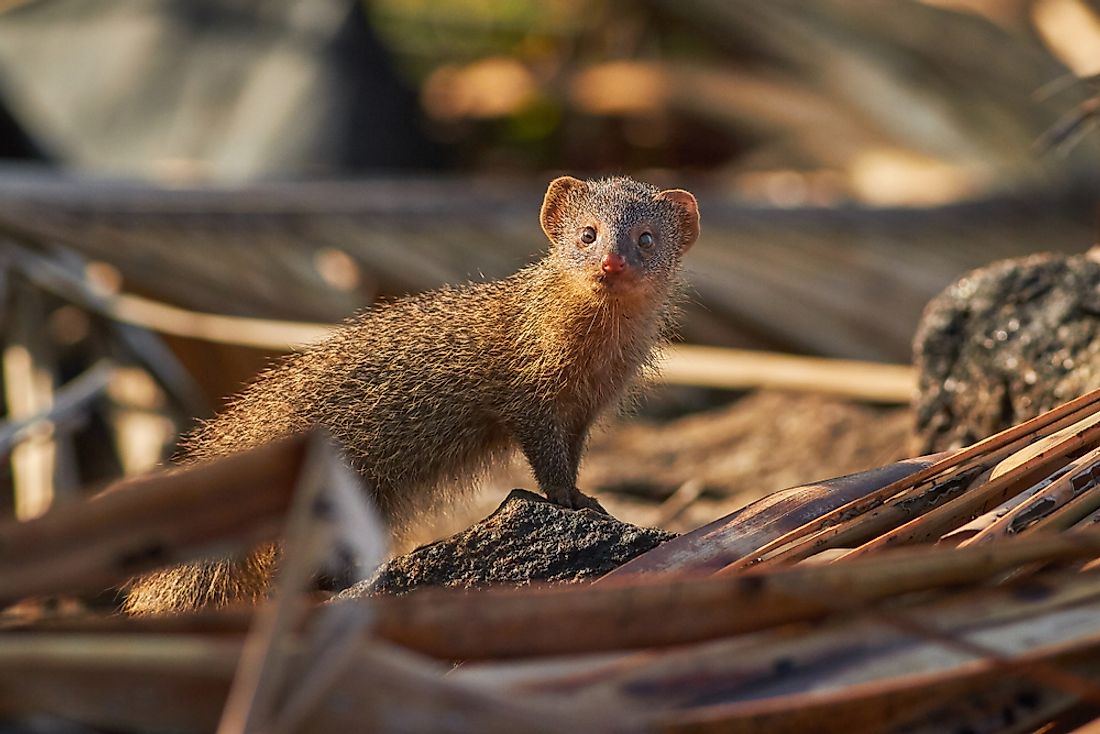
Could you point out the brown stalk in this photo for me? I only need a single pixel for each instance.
(169, 683)
(939, 520)
(1057, 506)
(729, 538)
(868, 706)
(154, 520)
(977, 623)
(666, 611)
(828, 524)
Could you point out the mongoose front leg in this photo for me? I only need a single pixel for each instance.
(554, 455)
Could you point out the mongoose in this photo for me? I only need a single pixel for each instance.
(425, 393)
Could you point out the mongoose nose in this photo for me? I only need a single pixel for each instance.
(613, 264)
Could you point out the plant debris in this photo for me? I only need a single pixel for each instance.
(903, 621)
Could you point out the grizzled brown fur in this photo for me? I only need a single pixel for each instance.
(424, 394)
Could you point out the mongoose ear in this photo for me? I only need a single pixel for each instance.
(689, 210)
(553, 205)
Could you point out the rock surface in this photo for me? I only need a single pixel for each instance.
(527, 539)
(1005, 343)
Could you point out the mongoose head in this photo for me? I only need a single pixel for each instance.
(620, 237)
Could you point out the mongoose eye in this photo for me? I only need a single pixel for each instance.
(645, 241)
(588, 235)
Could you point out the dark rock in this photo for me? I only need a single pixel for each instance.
(527, 539)
(1005, 343)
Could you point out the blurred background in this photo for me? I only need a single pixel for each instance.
(189, 188)
(785, 103)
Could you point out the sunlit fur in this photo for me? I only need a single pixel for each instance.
(426, 393)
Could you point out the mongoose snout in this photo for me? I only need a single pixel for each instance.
(613, 264)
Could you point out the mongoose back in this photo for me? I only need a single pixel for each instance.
(427, 392)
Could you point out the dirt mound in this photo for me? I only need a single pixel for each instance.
(760, 443)
(527, 539)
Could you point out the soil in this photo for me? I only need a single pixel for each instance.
(737, 453)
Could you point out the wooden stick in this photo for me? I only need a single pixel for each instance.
(649, 685)
(147, 683)
(261, 674)
(729, 538)
(742, 369)
(158, 519)
(937, 521)
(390, 691)
(668, 611)
(954, 500)
(868, 644)
(678, 502)
(70, 399)
(1042, 508)
(146, 346)
(935, 621)
(1020, 435)
(964, 533)
(140, 420)
(153, 315)
(355, 528)
(154, 683)
(863, 707)
(28, 382)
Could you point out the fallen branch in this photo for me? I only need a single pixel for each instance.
(742, 369)
(729, 538)
(575, 619)
(154, 520)
(824, 532)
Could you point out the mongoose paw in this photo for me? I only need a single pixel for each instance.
(577, 500)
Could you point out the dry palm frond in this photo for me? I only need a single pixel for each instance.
(966, 619)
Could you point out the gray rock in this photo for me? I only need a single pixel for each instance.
(1005, 343)
(527, 539)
